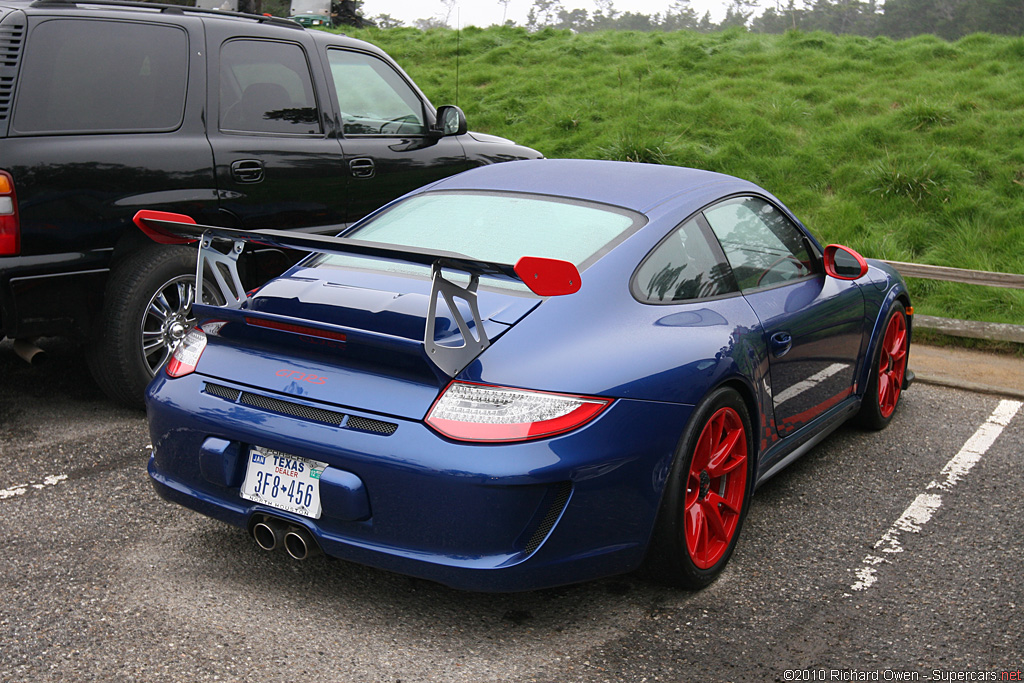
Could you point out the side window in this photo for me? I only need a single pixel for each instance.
(266, 87)
(763, 247)
(73, 81)
(373, 98)
(681, 268)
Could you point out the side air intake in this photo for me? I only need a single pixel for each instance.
(553, 513)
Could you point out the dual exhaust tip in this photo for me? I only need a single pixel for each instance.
(272, 533)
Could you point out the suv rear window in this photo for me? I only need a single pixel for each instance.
(266, 87)
(82, 76)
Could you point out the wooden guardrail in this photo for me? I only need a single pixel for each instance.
(965, 328)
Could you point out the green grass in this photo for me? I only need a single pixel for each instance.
(910, 150)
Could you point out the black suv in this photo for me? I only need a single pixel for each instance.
(235, 120)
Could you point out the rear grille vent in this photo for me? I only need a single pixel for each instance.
(295, 409)
(12, 37)
(368, 425)
(304, 412)
(222, 392)
(554, 512)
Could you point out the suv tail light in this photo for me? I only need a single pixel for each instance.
(478, 412)
(186, 354)
(10, 227)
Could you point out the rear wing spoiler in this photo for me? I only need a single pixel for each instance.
(219, 249)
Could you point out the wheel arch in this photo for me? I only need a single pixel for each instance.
(748, 395)
(896, 294)
(666, 526)
(757, 426)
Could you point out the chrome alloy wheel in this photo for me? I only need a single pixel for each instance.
(167, 319)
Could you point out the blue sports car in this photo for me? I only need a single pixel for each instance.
(526, 375)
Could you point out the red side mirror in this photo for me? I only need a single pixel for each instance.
(159, 234)
(844, 263)
(548, 276)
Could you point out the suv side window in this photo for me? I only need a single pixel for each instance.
(763, 247)
(683, 267)
(72, 81)
(266, 87)
(373, 98)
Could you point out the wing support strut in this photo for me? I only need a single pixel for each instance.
(451, 359)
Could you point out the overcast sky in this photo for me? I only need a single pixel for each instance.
(483, 13)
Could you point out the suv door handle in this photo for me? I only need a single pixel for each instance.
(247, 170)
(781, 343)
(363, 167)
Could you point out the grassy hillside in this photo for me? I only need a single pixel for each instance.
(910, 150)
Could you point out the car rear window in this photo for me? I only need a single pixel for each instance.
(82, 76)
(496, 227)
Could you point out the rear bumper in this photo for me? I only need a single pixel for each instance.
(479, 517)
(50, 295)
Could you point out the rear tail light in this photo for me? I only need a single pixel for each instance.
(10, 227)
(477, 412)
(185, 356)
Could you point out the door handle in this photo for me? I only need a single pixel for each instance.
(247, 170)
(781, 343)
(363, 167)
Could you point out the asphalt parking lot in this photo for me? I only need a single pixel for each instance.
(878, 556)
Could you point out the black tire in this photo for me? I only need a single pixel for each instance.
(878, 406)
(134, 314)
(670, 558)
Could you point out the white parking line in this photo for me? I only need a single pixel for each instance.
(924, 506)
(22, 489)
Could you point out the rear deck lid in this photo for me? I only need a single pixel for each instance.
(348, 338)
(415, 292)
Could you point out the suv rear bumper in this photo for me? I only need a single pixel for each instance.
(53, 294)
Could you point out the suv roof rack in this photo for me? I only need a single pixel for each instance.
(167, 9)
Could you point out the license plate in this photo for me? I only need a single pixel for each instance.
(286, 482)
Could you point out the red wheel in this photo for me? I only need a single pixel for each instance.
(706, 495)
(885, 383)
(716, 488)
(892, 364)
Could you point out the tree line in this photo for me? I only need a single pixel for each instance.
(949, 19)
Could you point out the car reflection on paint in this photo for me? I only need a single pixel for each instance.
(527, 375)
